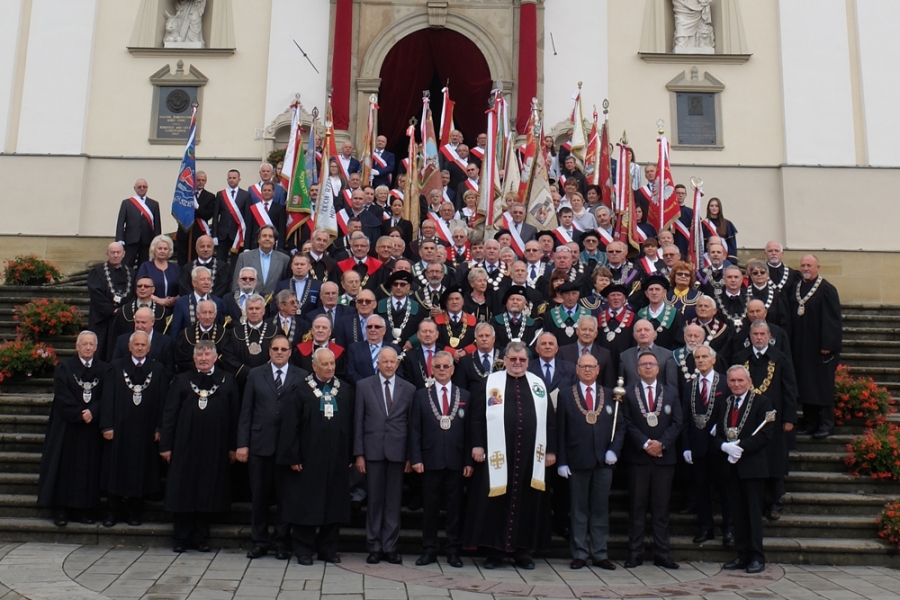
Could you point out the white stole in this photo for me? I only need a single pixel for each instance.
(495, 453)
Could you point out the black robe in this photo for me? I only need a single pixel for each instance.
(777, 310)
(183, 348)
(102, 313)
(819, 328)
(124, 320)
(200, 440)
(236, 356)
(131, 458)
(320, 493)
(70, 463)
(519, 520)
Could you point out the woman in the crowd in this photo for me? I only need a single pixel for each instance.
(477, 301)
(596, 302)
(163, 273)
(716, 224)
(761, 288)
(396, 220)
(584, 219)
(469, 212)
(683, 296)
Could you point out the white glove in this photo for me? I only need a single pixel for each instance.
(563, 471)
(611, 457)
(733, 460)
(732, 450)
(688, 457)
(712, 431)
(216, 241)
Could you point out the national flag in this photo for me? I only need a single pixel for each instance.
(624, 193)
(489, 182)
(430, 169)
(592, 156)
(540, 211)
(663, 209)
(447, 124)
(607, 187)
(695, 248)
(185, 186)
(411, 193)
(368, 147)
(578, 141)
(295, 141)
(326, 217)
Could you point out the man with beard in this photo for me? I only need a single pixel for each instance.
(684, 356)
(711, 277)
(513, 441)
(70, 461)
(247, 344)
(205, 329)
(474, 368)
(124, 321)
(134, 394)
(110, 287)
(198, 440)
(315, 452)
(665, 318)
(221, 278)
(429, 296)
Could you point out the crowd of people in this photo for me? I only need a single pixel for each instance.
(501, 380)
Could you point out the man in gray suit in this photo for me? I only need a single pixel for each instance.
(645, 335)
(526, 232)
(270, 264)
(382, 409)
(268, 387)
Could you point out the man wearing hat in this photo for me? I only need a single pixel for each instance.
(519, 274)
(615, 323)
(512, 325)
(665, 318)
(561, 320)
(456, 329)
(591, 254)
(402, 313)
(548, 243)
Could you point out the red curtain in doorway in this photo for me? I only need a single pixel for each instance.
(410, 67)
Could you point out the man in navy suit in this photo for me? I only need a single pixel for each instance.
(419, 362)
(185, 311)
(228, 226)
(351, 331)
(160, 344)
(255, 217)
(305, 287)
(137, 225)
(285, 319)
(348, 164)
(382, 163)
(584, 426)
(439, 416)
(328, 299)
(362, 357)
(586, 330)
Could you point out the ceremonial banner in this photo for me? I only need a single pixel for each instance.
(664, 207)
(538, 201)
(489, 183)
(578, 140)
(592, 156)
(411, 193)
(624, 193)
(430, 169)
(299, 205)
(696, 249)
(183, 199)
(511, 171)
(368, 147)
(295, 141)
(447, 124)
(607, 187)
(326, 219)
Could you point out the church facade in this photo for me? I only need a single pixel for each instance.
(783, 107)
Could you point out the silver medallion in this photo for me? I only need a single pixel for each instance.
(117, 299)
(202, 402)
(570, 331)
(610, 336)
(445, 423)
(329, 410)
(396, 331)
(254, 348)
(136, 397)
(801, 310)
(429, 382)
(652, 421)
(700, 421)
(516, 340)
(731, 434)
(86, 396)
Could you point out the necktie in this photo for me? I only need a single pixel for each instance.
(485, 363)
(330, 313)
(428, 362)
(374, 351)
(514, 322)
(278, 381)
(735, 411)
(266, 205)
(445, 402)
(139, 364)
(362, 328)
(232, 194)
(533, 272)
(399, 306)
(589, 398)
(243, 300)
(285, 325)
(387, 395)
(548, 376)
(704, 391)
(651, 405)
(584, 351)
(571, 314)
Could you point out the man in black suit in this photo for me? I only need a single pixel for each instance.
(303, 284)
(743, 433)
(418, 364)
(204, 258)
(382, 163)
(555, 373)
(328, 299)
(265, 212)
(184, 314)
(160, 344)
(285, 319)
(654, 424)
(588, 449)
(228, 225)
(204, 206)
(268, 387)
(439, 416)
(586, 330)
(702, 399)
(348, 164)
(474, 368)
(137, 225)
(349, 331)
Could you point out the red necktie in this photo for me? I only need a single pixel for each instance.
(650, 404)
(445, 401)
(589, 398)
(266, 204)
(704, 391)
(428, 362)
(735, 411)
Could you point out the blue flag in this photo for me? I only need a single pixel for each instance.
(183, 201)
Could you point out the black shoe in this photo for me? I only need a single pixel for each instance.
(633, 561)
(523, 561)
(331, 558)
(665, 562)
(756, 567)
(493, 562)
(735, 565)
(728, 540)
(393, 558)
(60, 520)
(374, 558)
(256, 552)
(306, 561)
(605, 564)
(415, 503)
(134, 522)
(705, 536)
(426, 559)
(109, 521)
(282, 554)
(577, 563)
(179, 547)
(773, 515)
(805, 430)
(201, 547)
(86, 520)
(454, 561)
(820, 434)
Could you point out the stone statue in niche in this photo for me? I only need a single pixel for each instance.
(184, 29)
(694, 32)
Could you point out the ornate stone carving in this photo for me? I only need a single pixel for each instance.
(437, 15)
(184, 29)
(694, 33)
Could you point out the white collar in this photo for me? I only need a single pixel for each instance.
(142, 361)
(86, 363)
(760, 352)
(283, 370)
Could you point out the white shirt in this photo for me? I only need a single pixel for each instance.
(143, 361)
(86, 363)
(584, 389)
(652, 387)
(760, 352)
(657, 311)
(283, 370)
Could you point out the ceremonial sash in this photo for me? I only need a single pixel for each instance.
(577, 225)
(344, 170)
(405, 162)
(566, 145)
(477, 152)
(710, 227)
(517, 244)
(397, 194)
(682, 229)
(256, 191)
(561, 235)
(380, 162)
(562, 180)
(446, 197)
(451, 155)
(472, 185)
(144, 211)
(204, 226)
(348, 195)
(496, 457)
(649, 266)
(231, 205)
(639, 235)
(647, 192)
(259, 213)
(605, 236)
(443, 230)
(342, 218)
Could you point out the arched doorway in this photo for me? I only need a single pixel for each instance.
(426, 60)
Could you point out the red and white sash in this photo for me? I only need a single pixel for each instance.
(472, 185)
(561, 235)
(646, 191)
(451, 155)
(342, 217)
(260, 214)
(204, 226)
(379, 161)
(348, 196)
(397, 194)
(562, 180)
(232, 207)
(566, 145)
(477, 152)
(344, 170)
(710, 227)
(649, 265)
(405, 162)
(639, 235)
(442, 230)
(605, 236)
(682, 229)
(446, 197)
(517, 243)
(144, 210)
(256, 191)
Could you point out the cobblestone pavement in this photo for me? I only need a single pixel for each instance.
(71, 572)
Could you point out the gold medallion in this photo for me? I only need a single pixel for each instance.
(454, 342)
(591, 417)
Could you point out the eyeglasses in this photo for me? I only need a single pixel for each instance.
(669, 254)
(440, 366)
(374, 326)
(682, 274)
(364, 301)
(248, 278)
(647, 365)
(588, 367)
(273, 349)
(401, 283)
(515, 360)
(758, 272)
(144, 285)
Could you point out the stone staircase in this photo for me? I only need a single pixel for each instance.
(828, 519)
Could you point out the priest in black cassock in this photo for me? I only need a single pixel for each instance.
(70, 462)
(134, 393)
(199, 440)
(513, 439)
(816, 332)
(111, 286)
(315, 451)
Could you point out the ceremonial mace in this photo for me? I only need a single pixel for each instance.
(770, 417)
(618, 394)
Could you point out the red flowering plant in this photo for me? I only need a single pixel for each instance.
(860, 398)
(24, 357)
(889, 523)
(47, 317)
(30, 270)
(876, 452)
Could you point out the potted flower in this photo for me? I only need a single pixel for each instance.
(859, 399)
(889, 523)
(42, 318)
(24, 358)
(30, 270)
(876, 452)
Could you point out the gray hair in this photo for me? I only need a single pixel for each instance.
(587, 319)
(255, 298)
(475, 273)
(136, 333)
(443, 354)
(202, 302)
(484, 325)
(251, 269)
(86, 333)
(707, 298)
(736, 368)
(203, 345)
(760, 324)
(197, 271)
(374, 316)
(712, 352)
(515, 347)
(155, 242)
(318, 351)
(386, 349)
(382, 187)
(283, 296)
(327, 320)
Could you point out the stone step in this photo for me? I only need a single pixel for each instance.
(865, 345)
(32, 385)
(838, 481)
(835, 443)
(23, 423)
(857, 360)
(871, 333)
(824, 503)
(25, 404)
(18, 485)
(20, 462)
(817, 461)
(886, 374)
(870, 309)
(21, 442)
(874, 318)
